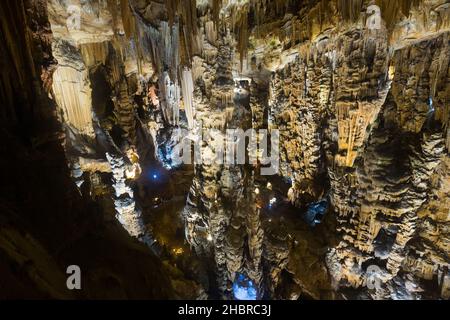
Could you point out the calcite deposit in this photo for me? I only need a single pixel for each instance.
(127, 107)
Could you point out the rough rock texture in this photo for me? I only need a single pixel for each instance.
(46, 224)
(359, 92)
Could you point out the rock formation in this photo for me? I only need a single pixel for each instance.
(138, 102)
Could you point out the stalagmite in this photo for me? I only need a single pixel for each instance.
(169, 47)
(127, 213)
(216, 7)
(240, 24)
(128, 19)
(170, 104)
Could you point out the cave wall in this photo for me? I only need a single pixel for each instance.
(47, 224)
(359, 91)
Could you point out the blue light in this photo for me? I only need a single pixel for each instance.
(153, 175)
(316, 212)
(430, 104)
(167, 158)
(244, 288)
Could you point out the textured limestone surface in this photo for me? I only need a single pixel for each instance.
(358, 90)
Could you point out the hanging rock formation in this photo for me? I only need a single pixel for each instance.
(358, 92)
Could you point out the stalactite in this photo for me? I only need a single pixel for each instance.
(94, 53)
(216, 7)
(183, 13)
(128, 19)
(190, 28)
(112, 8)
(160, 44)
(172, 8)
(223, 96)
(187, 86)
(73, 95)
(350, 9)
(240, 24)
(149, 40)
(167, 48)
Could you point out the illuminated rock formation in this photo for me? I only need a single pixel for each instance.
(359, 91)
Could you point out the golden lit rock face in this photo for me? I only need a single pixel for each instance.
(373, 104)
(361, 89)
(83, 22)
(73, 96)
(55, 226)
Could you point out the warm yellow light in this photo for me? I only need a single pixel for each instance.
(391, 72)
(178, 251)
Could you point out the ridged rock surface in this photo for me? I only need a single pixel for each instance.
(359, 92)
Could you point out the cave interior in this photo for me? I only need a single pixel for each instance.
(225, 149)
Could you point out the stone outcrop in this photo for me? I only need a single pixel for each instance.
(46, 223)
